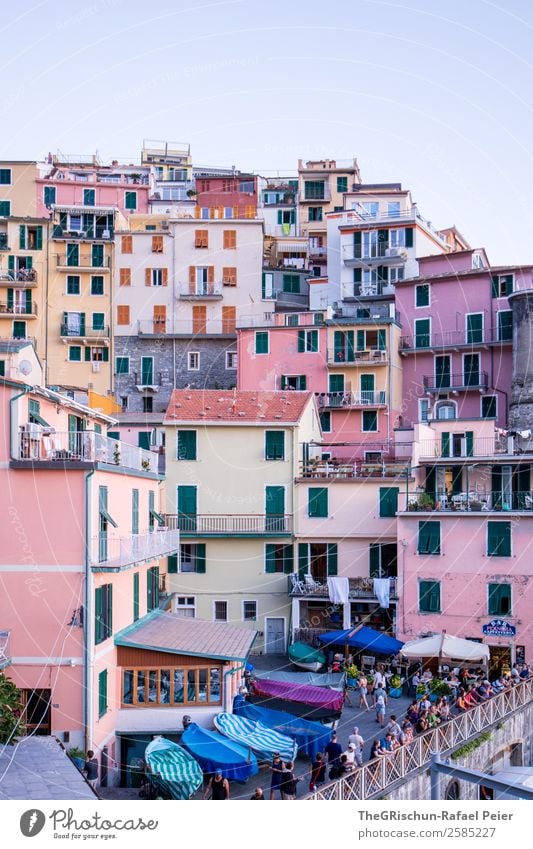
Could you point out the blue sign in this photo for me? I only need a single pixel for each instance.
(499, 628)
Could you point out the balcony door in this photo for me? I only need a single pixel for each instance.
(368, 386)
(471, 370)
(187, 508)
(36, 706)
(275, 508)
(442, 372)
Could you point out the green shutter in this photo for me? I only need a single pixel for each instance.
(303, 559)
(422, 332)
(317, 502)
(22, 237)
(474, 328)
(187, 507)
(445, 444)
(275, 508)
(10, 300)
(11, 263)
(261, 342)
(382, 339)
(499, 599)
(87, 355)
(301, 341)
(29, 262)
(469, 443)
(429, 596)
(288, 559)
(38, 238)
(105, 355)
(431, 482)
(135, 511)
(495, 286)
(149, 591)
(102, 693)
(375, 560)
(350, 352)
(332, 558)
(338, 346)
(388, 501)
(200, 558)
(409, 241)
(98, 623)
(186, 445)
(274, 445)
(109, 620)
(505, 326)
(357, 244)
(172, 564)
(429, 537)
(97, 256)
(136, 596)
(499, 539)
(360, 340)
(28, 302)
(143, 440)
(270, 558)
(147, 371)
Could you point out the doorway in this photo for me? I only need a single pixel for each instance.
(36, 706)
(500, 660)
(275, 635)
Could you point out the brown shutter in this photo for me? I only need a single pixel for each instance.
(165, 276)
(157, 244)
(192, 279)
(210, 273)
(229, 316)
(147, 276)
(123, 314)
(229, 276)
(127, 245)
(125, 276)
(199, 319)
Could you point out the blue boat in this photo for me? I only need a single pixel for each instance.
(214, 751)
(310, 737)
(172, 769)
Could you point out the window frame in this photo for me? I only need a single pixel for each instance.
(179, 451)
(277, 433)
(220, 601)
(494, 399)
(229, 366)
(418, 288)
(95, 277)
(193, 354)
(499, 613)
(263, 334)
(368, 413)
(422, 581)
(319, 496)
(428, 524)
(244, 617)
(508, 527)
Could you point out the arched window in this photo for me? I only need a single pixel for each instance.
(452, 791)
(445, 410)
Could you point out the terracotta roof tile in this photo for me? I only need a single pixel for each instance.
(229, 405)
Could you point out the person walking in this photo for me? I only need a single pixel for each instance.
(90, 769)
(318, 772)
(380, 710)
(334, 751)
(277, 772)
(218, 787)
(289, 782)
(358, 743)
(363, 690)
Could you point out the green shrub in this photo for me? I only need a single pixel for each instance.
(11, 724)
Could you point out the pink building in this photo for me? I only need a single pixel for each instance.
(457, 333)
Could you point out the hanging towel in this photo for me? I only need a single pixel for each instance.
(382, 591)
(338, 590)
(286, 229)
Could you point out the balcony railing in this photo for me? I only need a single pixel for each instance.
(458, 446)
(117, 552)
(104, 234)
(4, 246)
(374, 778)
(222, 525)
(83, 261)
(23, 275)
(369, 312)
(351, 399)
(474, 502)
(362, 587)
(382, 251)
(340, 356)
(317, 250)
(84, 332)
(361, 216)
(29, 309)
(464, 380)
(37, 443)
(352, 469)
(367, 289)
(199, 291)
(312, 195)
(5, 654)
(454, 338)
(185, 327)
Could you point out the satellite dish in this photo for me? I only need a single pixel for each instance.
(25, 367)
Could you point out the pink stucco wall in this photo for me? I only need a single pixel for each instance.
(113, 194)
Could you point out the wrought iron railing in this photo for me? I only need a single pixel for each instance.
(39, 443)
(204, 525)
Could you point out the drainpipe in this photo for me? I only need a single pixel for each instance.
(11, 424)
(46, 305)
(230, 672)
(87, 625)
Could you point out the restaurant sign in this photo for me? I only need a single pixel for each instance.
(499, 628)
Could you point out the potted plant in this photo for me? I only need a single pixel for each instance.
(425, 502)
(438, 688)
(116, 454)
(136, 178)
(475, 505)
(421, 690)
(191, 193)
(145, 463)
(395, 687)
(412, 506)
(11, 711)
(78, 756)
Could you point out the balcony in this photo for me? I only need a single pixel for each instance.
(184, 327)
(338, 470)
(116, 553)
(200, 291)
(459, 447)
(28, 310)
(461, 382)
(455, 339)
(315, 195)
(318, 588)
(40, 444)
(380, 253)
(24, 278)
(64, 262)
(366, 289)
(230, 525)
(344, 356)
(5, 654)
(70, 331)
(101, 234)
(475, 502)
(3, 242)
(351, 399)
(318, 251)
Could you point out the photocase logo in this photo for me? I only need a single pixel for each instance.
(32, 822)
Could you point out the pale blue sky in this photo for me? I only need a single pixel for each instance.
(436, 95)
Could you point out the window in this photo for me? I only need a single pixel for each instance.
(499, 600)
(246, 187)
(125, 277)
(193, 361)
(172, 687)
(445, 410)
(502, 285)
(274, 445)
(157, 244)
(261, 342)
(499, 539)
(370, 421)
(186, 606)
(147, 371)
(429, 537)
(422, 332)
(122, 365)
(191, 559)
(317, 502)
(422, 295)
(148, 404)
(489, 407)
(97, 285)
(314, 189)
(123, 314)
(388, 501)
(152, 588)
(325, 421)
(294, 381)
(135, 596)
(97, 354)
(186, 445)
(155, 276)
(342, 185)
(102, 693)
(49, 195)
(230, 239)
(229, 276)
(279, 558)
(308, 341)
(5, 176)
(383, 560)
(505, 326)
(221, 611)
(74, 353)
(103, 613)
(73, 284)
(474, 328)
(429, 596)
(315, 213)
(396, 274)
(89, 197)
(319, 559)
(393, 208)
(423, 409)
(291, 283)
(130, 200)
(126, 244)
(98, 321)
(231, 360)
(5, 208)
(249, 611)
(201, 238)
(135, 511)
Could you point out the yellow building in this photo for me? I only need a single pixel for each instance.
(232, 457)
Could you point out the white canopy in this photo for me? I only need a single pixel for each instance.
(446, 646)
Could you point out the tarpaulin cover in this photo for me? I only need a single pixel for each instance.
(311, 737)
(304, 693)
(213, 751)
(363, 638)
(176, 769)
(256, 736)
(335, 680)
(313, 714)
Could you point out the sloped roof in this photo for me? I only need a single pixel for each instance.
(169, 632)
(236, 406)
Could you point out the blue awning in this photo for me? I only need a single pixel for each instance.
(362, 638)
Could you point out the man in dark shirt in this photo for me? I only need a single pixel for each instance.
(91, 769)
(334, 751)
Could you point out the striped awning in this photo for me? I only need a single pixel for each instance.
(292, 247)
(83, 210)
